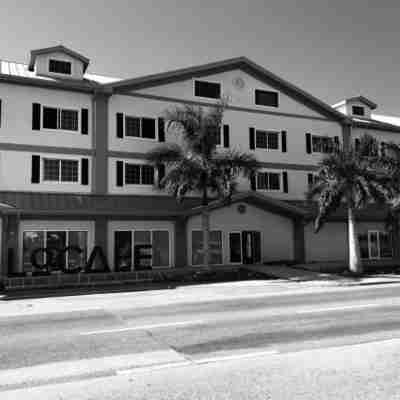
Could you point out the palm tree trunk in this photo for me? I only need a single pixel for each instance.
(355, 264)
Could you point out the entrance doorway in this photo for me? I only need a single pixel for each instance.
(245, 247)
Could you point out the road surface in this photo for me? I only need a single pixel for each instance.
(344, 342)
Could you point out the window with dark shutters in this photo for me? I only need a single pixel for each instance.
(85, 121)
(285, 182)
(120, 173)
(161, 130)
(35, 171)
(85, 171)
(36, 116)
(284, 141)
(226, 135)
(308, 143)
(0, 112)
(161, 172)
(252, 138)
(253, 183)
(120, 125)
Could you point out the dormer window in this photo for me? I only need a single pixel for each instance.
(60, 67)
(358, 110)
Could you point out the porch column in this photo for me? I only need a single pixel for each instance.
(180, 243)
(299, 240)
(9, 248)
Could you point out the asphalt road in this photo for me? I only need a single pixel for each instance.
(237, 335)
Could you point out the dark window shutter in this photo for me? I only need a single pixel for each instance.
(252, 138)
(357, 144)
(120, 173)
(310, 179)
(85, 171)
(253, 179)
(120, 125)
(285, 182)
(161, 130)
(308, 143)
(284, 145)
(161, 172)
(84, 121)
(36, 117)
(0, 113)
(226, 136)
(35, 177)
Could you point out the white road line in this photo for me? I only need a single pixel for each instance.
(145, 327)
(153, 368)
(341, 308)
(236, 357)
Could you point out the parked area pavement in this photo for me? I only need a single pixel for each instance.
(237, 340)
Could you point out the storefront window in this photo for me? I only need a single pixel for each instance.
(55, 242)
(123, 250)
(127, 247)
(215, 244)
(31, 241)
(375, 245)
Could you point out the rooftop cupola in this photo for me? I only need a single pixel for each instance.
(357, 107)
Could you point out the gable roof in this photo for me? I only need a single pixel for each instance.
(261, 201)
(242, 63)
(60, 48)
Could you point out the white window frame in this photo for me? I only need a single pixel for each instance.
(210, 81)
(151, 241)
(59, 109)
(222, 246)
(155, 178)
(267, 131)
(273, 171)
(156, 139)
(324, 137)
(45, 230)
(229, 247)
(78, 182)
(60, 73)
(264, 105)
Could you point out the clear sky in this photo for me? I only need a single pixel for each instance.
(330, 48)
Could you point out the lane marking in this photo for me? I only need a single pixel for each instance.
(153, 368)
(236, 357)
(144, 327)
(318, 310)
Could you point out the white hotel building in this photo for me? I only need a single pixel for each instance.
(72, 169)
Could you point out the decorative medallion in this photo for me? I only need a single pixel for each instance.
(238, 83)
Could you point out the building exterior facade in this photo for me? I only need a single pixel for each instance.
(73, 176)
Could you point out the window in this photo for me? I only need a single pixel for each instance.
(56, 118)
(322, 144)
(358, 110)
(210, 90)
(266, 98)
(269, 181)
(60, 67)
(55, 240)
(55, 170)
(215, 246)
(136, 174)
(140, 127)
(127, 247)
(375, 245)
(267, 140)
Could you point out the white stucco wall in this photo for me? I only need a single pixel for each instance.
(276, 231)
(16, 167)
(139, 225)
(16, 121)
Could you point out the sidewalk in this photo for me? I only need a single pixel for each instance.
(296, 283)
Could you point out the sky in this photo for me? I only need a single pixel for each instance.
(333, 49)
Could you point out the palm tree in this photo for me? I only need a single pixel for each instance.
(194, 165)
(352, 178)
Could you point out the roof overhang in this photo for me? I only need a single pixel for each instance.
(54, 49)
(258, 200)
